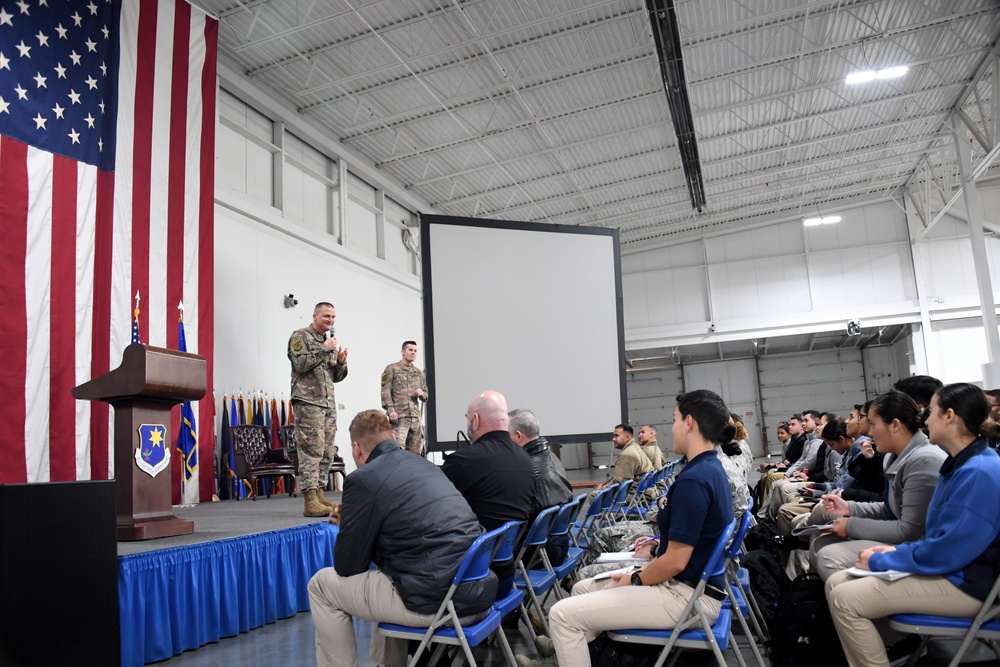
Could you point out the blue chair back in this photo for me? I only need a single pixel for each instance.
(476, 564)
(567, 511)
(645, 482)
(715, 565)
(539, 531)
(597, 504)
(505, 547)
(741, 532)
(622, 492)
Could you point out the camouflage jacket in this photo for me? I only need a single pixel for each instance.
(398, 384)
(314, 369)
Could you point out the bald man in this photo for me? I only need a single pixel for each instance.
(494, 474)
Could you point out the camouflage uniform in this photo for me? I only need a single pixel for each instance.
(399, 381)
(314, 405)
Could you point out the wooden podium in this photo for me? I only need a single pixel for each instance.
(143, 389)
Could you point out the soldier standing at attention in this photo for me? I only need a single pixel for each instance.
(403, 387)
(317, 363)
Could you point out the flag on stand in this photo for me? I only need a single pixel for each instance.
(226, 471)
(107, 142)
(135, 322)
(187, 437)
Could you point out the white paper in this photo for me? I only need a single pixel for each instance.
(889, 575)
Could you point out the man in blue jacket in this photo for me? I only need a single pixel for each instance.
(401, 513)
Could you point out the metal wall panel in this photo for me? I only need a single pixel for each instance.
(828, 381)
(736, 381)
(652, 396)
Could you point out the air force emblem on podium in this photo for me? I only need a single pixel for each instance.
(152, 455)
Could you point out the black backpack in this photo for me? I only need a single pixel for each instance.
(768, 581)
(802, 631)
(607, 653)
(763, 536)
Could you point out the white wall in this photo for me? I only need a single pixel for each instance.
(278, 231)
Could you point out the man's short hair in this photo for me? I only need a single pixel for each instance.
(651, 428)
(369, 428)
(995, 393)
(408, 342)
(797, 417)
(624, 427)
(525, 421)
(919, 387)
(321, 304)
(815, 414)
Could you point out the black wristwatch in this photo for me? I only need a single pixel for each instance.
(636, 579)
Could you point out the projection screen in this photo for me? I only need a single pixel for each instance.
(531, 310)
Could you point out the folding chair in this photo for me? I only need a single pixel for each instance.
(618, 502)
(446, 628)
(560, 528)
(581, 531)
(738, 598)
(536, 582)
(693, 630)
(984, 627)
(513, 600)
(638, 505)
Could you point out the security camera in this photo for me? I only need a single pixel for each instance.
(291, 301)
(853, 327)
(711, 328)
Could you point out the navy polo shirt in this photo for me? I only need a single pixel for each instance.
(699, 507)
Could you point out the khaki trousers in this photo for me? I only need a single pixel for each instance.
(830, 554)
(782, 491)
(856, 602)
(594, 609)
(369, 595)
(789, 511)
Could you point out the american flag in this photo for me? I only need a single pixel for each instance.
(107, 138)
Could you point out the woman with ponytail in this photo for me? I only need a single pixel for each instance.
(697, 511)
(957, 558)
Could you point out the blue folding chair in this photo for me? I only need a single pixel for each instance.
(738, 597)
(693, 629)
(446, 627)
(618, 502)
(560, 528)
(581, 531)
(639, 504)
(536, 582)
(984, 627)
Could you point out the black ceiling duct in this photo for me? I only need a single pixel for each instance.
(663, 20)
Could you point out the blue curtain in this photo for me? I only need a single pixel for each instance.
(179, 599)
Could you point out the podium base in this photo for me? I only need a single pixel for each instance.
(148, 530)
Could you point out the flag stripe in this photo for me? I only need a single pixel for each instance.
(13, 207)
(175, 200)
(62, 361)
(142, 158)
(100, 361)
(206, 251)
(37, 277)
(86, 216)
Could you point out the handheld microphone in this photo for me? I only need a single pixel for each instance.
(331, 332)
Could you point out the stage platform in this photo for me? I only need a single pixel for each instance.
(247, 564)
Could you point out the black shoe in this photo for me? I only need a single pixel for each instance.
(790, 543)
(900, 652)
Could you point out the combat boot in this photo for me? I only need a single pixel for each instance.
(322, 499)
(313, 505)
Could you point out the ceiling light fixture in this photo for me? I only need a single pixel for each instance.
(867, 75)
(816, 222)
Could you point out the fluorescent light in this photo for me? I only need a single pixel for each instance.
(860, 77)
(891, 72)
(864, 76)
(816, 222)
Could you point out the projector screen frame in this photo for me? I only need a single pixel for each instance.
(433, 442)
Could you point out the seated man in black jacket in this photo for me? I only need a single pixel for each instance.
(494, 474)
(552, 487)
(402, 514)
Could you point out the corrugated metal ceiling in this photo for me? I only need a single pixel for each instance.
(553, 110)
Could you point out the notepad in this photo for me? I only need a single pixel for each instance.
(607, 575)
(615, 556)
(888, 575)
